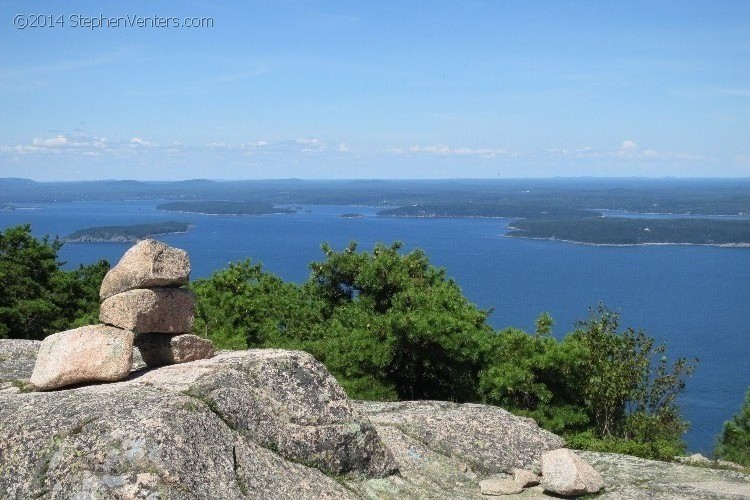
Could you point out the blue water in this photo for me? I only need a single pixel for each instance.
(695, 298)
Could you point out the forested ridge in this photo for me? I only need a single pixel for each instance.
(391, 326)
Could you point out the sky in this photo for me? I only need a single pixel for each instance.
(385, 89)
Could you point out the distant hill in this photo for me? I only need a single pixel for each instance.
(449, 198)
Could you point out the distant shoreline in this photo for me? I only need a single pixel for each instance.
(720, 245)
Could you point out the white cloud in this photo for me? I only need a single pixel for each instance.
(344, 148)
(437, 149)
(254, 145)
(53, 142)
(61, 143)
(138, 141)
(444, 150)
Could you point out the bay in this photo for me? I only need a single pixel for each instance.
(695, 298)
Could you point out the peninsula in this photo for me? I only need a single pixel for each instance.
(623, 231)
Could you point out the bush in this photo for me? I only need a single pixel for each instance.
(734, 441)
(601, 388)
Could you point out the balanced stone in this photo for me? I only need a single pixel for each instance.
(87, 354)
(157, 350)
(149, 263)
(565, 473)
(150, 310)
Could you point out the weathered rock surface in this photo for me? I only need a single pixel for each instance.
(17, 359)
(149, 263)
(160, 434)
(289, 403)
(488, 438)
(87, 354)
(239, 425)
(631, 478)
(566, 474)
(159, 350)
(151, 310)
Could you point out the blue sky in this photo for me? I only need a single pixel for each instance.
(376, 90)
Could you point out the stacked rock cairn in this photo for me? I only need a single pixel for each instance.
(145, 310)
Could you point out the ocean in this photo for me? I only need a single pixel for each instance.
(695, 298)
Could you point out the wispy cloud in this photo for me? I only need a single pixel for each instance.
(444, 150)
(627, 150)
(61, 143)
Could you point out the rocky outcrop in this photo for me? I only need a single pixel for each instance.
(86, 354)
(147, 264)
(271, 424)
(251, 424)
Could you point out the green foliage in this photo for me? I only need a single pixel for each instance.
(37, 297)
(629, 389)
(659, 448)
(243, 306)
(388, 325)
(536, 376)
(410, 326)
(734, 442)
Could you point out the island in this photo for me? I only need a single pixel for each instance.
(224, 207)
(351, 216)
(130, 233)
(625, 231)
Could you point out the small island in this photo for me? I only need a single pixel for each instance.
(351, 216)
(121, 234)
(622, 231)
(224, 207)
